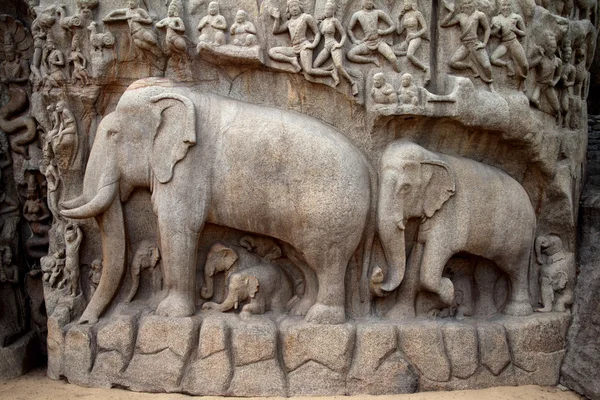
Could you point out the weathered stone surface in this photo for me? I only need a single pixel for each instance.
(542, 369)
(378, 367)
(108, 369)
(17, 358)
(253, 340)
(328, 345)
(79, 353)
(158, 372)
(312, 378)
(460, 340)
(251, 379)
(119, 335)
(209, 376)
(423, 344)
(214, 334)
(159, 333)
(493, 347)
(56, 342)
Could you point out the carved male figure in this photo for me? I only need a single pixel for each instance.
(13, 69)
(11, 306)
(368, 18)
(548, 69)
(510, 27)
(175, 39)
(297, 25)
(212, 27)
(408, 92)
(243, 31)
(471, 54)
(54, 61)
(412, 21)
(73, 238)
(382, 92)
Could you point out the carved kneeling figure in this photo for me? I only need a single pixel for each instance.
(265, 287)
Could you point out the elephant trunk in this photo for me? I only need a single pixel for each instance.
(101, 201)
(112, 229)
(390, 227)
(207, 290)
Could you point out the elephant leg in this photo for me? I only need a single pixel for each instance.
(434, 260)
(407, 291)
(256, 306)
(518, 302)
(331, 271)
(309, 297)
(179, 248)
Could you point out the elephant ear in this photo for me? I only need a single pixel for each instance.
(440, 185)
(222, 256)
(175, 133)
(252, 285)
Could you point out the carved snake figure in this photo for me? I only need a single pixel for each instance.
(22, 130)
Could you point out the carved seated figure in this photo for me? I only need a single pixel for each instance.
(408, 92)
(383, 93)
(212, 27)
(557, 274)
(243, 32)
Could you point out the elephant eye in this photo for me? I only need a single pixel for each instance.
(405, 187)
(112, 132)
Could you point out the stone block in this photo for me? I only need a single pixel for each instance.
(209, 376)
(158, 372)
(18, 357)
(108, 369)
(329, 345)
(543, 369)
(56, 342)
(313, 378)
(119, 335)
(159, 333)
(214, 335)
(423, 344)
(79, 353)
(460, 340)
(377, 367)
(542, 332)
(253, 340)
(262, 378)
(493, 347)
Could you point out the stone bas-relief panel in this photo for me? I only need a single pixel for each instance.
(217, 190)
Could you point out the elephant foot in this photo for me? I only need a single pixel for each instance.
(322, 314)
(175, 306)
(301, 306)
(518, 308)
(446, 292)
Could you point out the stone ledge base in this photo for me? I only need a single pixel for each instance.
(222, 354)
(17, 358)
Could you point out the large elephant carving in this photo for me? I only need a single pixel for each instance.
(462, 206)
(207, 158)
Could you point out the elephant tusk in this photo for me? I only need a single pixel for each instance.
(76, 202)
(96, 206)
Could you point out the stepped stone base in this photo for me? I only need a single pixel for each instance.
(223, 354)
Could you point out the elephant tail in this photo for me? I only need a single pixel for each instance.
(368, 237)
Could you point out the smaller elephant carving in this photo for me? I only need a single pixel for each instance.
(557, 274)
(263, 286)
(146, 258)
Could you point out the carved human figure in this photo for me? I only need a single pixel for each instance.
(369, 18)
(510, 27)
(548, 73)
(65, 142)
(557, 274)
(73, 238)
(53, 266)
(212, 27)
(95, 275)
(13, 69)
(243, 31)
(140, 28)
(146, 257)
(382, 92)
(297, 25)
(582, 74)
(408, 92)
(471, 54)
(38, 216)
(11, 300)
(40, 29)
(79, 75)
(567, 80)
(53, 62)
(329, 26)
(175, 40)
(411, 21)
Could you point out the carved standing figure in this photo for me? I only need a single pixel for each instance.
(471, 54)
(557, 274)
(12, 321)
(95, 274)
(383, 92)
(412, 21)
(243, 31)
(79, 75)
(369, 18)
(175, 40)
(510, 27)
(567, 80)
(146, 258)
(548, 73)
(40, 29)
(38, 216)
(212, 27)
(329, 26)
(73, 238)
(65, 142)
(297, 25)
(318, 195)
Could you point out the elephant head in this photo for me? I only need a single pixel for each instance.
(413, 183)
(240, 288)
(136, 146)
(220, 259)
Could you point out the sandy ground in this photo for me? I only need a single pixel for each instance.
(36, 386)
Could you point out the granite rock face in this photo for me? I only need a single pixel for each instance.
(294, 197)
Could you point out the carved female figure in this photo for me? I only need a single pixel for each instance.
(212, 27)
(510, 28)
(80, 75)
(297, 25)
(329, 26)
(65, 143)
(412, 21)
(243, 32)
(175, 39)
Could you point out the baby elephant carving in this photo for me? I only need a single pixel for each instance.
(146, 258)
(262, 286)
(557, 274)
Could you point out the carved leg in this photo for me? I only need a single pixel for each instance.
(518, 302)
(330, 269)
(357, 55)
(435, 258)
